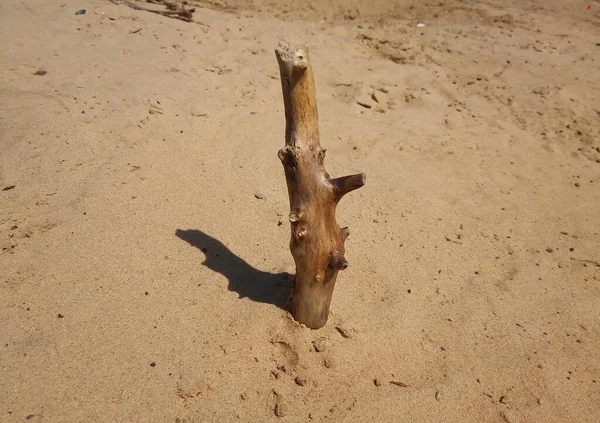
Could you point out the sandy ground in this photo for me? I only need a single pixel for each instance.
(142, 280)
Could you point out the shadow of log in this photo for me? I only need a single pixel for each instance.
(248, 282)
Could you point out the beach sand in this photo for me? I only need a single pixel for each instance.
(144, 240)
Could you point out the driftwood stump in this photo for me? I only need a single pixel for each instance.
(317, 242)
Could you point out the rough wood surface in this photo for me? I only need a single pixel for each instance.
(317, 242)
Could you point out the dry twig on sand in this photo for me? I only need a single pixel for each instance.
(175, 9)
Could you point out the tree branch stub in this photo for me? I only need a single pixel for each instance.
(317, 242)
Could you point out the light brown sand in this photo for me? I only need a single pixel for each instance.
(474, 273)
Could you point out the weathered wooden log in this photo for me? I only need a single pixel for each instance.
(317, 242)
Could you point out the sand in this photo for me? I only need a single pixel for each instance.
(142, 280)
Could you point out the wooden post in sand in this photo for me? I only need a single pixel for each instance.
(317, 242)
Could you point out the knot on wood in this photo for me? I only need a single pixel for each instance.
(288, 157)
(345, 231)
(295, 216)
(322, 152)
(301, 233)
(337, 261)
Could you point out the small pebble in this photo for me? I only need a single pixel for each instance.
(343, 331)
(377, 382)
(319, 344)
(60, 316)
(153, 364)
(280, 410)
(259, 195)
(300, 381)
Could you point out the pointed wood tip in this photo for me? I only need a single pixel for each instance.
(345, 231)
(345, 184)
